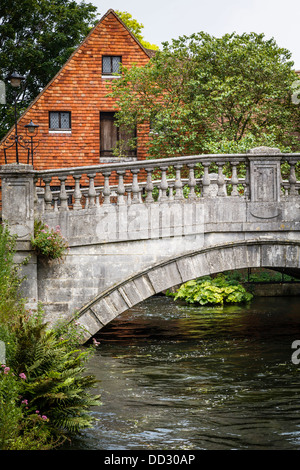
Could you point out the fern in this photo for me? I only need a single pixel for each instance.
(56, 383)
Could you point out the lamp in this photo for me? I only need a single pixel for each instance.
(31, 131)
(15, 79)
(31, 128)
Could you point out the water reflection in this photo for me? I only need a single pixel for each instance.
(178, 377)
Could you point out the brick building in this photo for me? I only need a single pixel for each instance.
(74, 114)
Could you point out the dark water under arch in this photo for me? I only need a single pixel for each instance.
(176, 377)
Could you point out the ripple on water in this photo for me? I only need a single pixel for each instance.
(179, 377)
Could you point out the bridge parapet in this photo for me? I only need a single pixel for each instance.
(255, 176)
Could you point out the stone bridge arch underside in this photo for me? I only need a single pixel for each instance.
(282, 255)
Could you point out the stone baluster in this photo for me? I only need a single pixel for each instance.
(48, 194)
(192, 181)
(163, 184)
(149, 185)
(246, 185)
(205, 180)
(106, 190)
(171, 191)
(55, 203)
(77, 193)
(234, 180)
(92, 192)
(178, 183)
(129, 195)
(121, 187)
(135, 186)
(63, 194)
(221, 180)
(292, 180)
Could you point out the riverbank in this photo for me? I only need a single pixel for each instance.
(276, 289)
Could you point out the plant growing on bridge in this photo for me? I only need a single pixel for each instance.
(206, 290)
(48, 243)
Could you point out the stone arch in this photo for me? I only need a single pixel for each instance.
(282, 254)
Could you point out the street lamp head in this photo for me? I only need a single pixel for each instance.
(15, 79)
(31, 128)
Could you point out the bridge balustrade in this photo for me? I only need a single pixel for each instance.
(154, 180)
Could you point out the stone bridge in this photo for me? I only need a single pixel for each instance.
(137, 228)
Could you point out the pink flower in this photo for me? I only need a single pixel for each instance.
(25, 402)
(44, 417)
(22, 375)
(37, 412)
(6, 370)
(96, 343)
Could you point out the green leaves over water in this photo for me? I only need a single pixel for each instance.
(207, 290)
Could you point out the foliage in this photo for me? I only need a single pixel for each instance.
(136, 28)
(48, 243)
(206, 290)
(20, 429)
(44, 388)
(36, 38)
(200, 89)
(10, 276)
(56, 383)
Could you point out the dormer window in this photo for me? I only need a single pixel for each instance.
(110, 65)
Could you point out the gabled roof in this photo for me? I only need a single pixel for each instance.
(148, 52)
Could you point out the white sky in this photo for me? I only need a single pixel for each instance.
(164, 20)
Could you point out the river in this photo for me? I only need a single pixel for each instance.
(174, 376)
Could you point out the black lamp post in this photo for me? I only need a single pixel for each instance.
(15, 80)
(31, 129)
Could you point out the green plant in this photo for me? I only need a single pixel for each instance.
(10, 278)
(19, 429)
(48, 243)
(56, 381)
(206, 290)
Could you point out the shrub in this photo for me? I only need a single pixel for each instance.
(44, 389)
(10, 277)
(20, 429)
(56, 382)
(206, 290)
(48, 243)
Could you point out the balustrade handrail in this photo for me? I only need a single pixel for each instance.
(159, 162)
(153, 163)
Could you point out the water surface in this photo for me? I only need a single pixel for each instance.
(179, 377)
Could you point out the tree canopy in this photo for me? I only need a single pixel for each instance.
(199, 90)
(36, 39)
(136, 28)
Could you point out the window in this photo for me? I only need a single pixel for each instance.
(111, 65)
(60, 120)
(112, 137)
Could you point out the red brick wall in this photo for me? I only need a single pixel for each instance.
(80, 88)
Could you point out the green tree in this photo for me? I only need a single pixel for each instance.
(201, 89)
(36, 39)
(136, 28)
